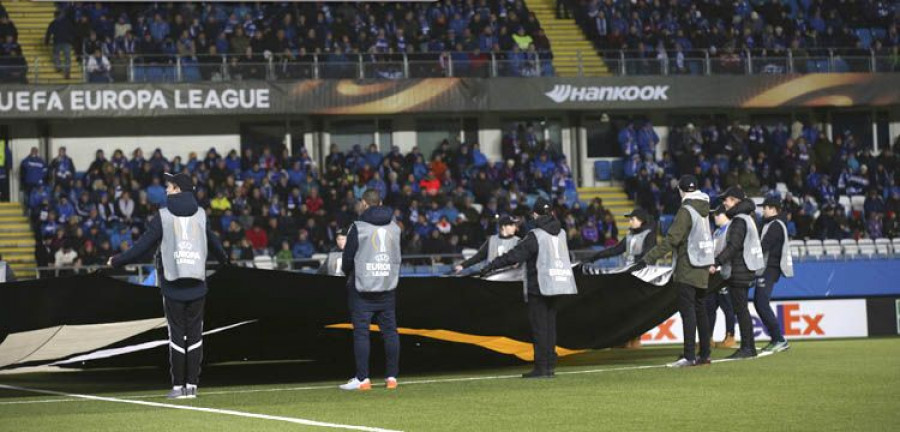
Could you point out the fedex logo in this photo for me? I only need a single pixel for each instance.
(792, 322)
(805, 319)
(663, 332)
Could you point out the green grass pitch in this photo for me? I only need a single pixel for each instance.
(824, 385)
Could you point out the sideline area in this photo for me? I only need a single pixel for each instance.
(609, 389)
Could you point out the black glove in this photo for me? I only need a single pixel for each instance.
(592, 270)
(579, 268)
(640, 265)
(484, 272)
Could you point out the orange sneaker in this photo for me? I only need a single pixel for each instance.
(390, 383)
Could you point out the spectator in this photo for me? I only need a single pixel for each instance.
(63, 169)
(62, 33)
(303, 248)
(65, 256)
(258, 239)
(33, 170)
(98, 68)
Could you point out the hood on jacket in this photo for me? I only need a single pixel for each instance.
(182, 204)
(780, 216)
(378, 215)
(699, 201)
(548, 223)
(747, 207)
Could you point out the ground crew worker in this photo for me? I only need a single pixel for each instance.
(498, 244)
(722, 298)
(641, 238)
(332, 265)
(548, 275)
(775, 245)
(739, 260)
(691, 243)
(181, 231)
(371, 262)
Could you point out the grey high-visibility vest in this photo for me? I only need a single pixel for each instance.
(634, 245)
(377, 260)
(719, 239)
(3, 271)
(183, 247)
(553, 267)
(753, 256)
(498, 246)
(333, 263)
(700, 248)
(787, 261)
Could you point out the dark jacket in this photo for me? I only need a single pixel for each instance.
(733, 253)
(182, 204)
(61, 30)
(380, 216)
(526, 252)
(675, 241)
(621, 247)
(481, 255)
(773, 242)
(323, 269)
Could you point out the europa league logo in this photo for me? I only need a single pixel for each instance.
(379, 240)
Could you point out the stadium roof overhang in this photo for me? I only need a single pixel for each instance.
(447, 95)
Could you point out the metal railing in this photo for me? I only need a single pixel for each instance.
(412, 265)
(174, 68)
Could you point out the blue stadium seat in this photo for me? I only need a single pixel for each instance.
(618, 169)
(602, 170)
(865, 37)
(665, 221)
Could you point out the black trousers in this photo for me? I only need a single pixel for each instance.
(762, 299)
(387, 323)
(739, 296)
(185, 320)
(717, 300)
(542, 315)
(694, 320)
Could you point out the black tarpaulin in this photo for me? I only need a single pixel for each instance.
(609, 309)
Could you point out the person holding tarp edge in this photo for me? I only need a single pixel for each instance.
(640, 239)
(548, 275)
(496, 245)
(690, 241)
(184, 238)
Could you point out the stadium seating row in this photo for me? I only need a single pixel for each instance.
(847, 248)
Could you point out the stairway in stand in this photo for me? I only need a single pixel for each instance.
(16, 240)
(32, 19)
(566, 41)
(614, 199)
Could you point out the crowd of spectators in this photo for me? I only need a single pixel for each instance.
(800, 163)
(13, 67)
(465, 33)
(269, 202)
(674, 31)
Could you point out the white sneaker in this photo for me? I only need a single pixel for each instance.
(681, 363)
(390, 383)
(356, 384)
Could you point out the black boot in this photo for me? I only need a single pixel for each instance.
(742, 354)
(536, 373)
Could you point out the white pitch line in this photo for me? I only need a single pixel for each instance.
(294, 420)
(403, 383)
